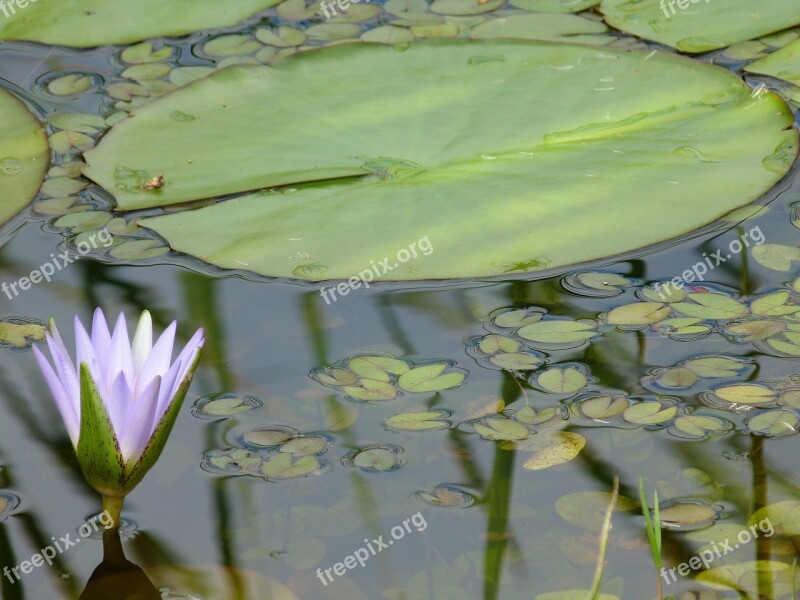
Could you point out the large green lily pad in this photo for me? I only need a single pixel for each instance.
(458, 146)
(24, 156)
(782, 64)
(87, 23)
(701, 25)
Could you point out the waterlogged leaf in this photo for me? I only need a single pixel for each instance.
(447, 495)
(602, 407)
(587, 509)
(747, 578)
(776, 256)
(385, 125)
(65, 142)
(267, 437)
(562, 381)
(498, 343)
(784, 517)
(700, 27)
(773, 305)
(774, 423)
(501, 429)
(551, 449)
(79, 122)
(782, 64)
(649, 413)
(699, 427)
(575, 595)
(557, 332)
(715, 366)
(749, 50)
(138, 250)
(755, 330)
(516, 361)
(419, 421)
(20, 335)
(516, 318)
(338, 377)
(685, 515)
(711, 306)
(24, 156)
(540, 26)
(371, 389)
(679, 377)
(429, 379)
(91, 23)
(284, 466)
(641, 313)
(305, 445)
(746, 393)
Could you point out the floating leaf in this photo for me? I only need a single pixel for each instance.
(388, 34)
(587, 509)
(465, 7)
(282, 37)
(284, 466)
(715, 366)
(551, 27)
(703, 27)
(229, 45)
(419, 421)
(687, 515)
(516, 361)
(558, 332)
(679, 377)
(555, 6)
(144, 53)
(746, 393)
(551, 449)
(785, 347)
(376, 459)
(711, 306)
(24, 156)
(562, 381)
(265, 437)
(516, 318)
(739, 129)
(773, 423)
(501, 429)
(147, 71)
(776, 256)
(371, 389)
(699, 427)
(91, 23)
(20, 335)
(773, 305)
(649, 413)
(429, 379)
(305, 445)
(781, 64)
(755, 330)
(641, 313)
(602, 407)
(338, 377)
(682, 326)
(498, 343)
(224, 405)
(747, 578)
(784, 517)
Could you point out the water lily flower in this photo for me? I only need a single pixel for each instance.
(119, 400)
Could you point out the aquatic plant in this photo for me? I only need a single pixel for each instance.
(653, 526)
(120, 400)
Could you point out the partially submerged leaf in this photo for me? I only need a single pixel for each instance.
(551, 449)
(497, 428)
(557, 331)
(419, 421)
(429, 379)
(641, 313)
(711, 306)
(649, 413)
(746, 393)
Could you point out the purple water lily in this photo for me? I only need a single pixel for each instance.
(119, 400)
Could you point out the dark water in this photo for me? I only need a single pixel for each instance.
(200, 534)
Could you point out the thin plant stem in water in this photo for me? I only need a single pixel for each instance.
(653, 526)
(606, 532)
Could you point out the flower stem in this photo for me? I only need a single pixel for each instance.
(113, 506)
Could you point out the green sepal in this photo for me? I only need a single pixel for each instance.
(98, 451)
(134, 472)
